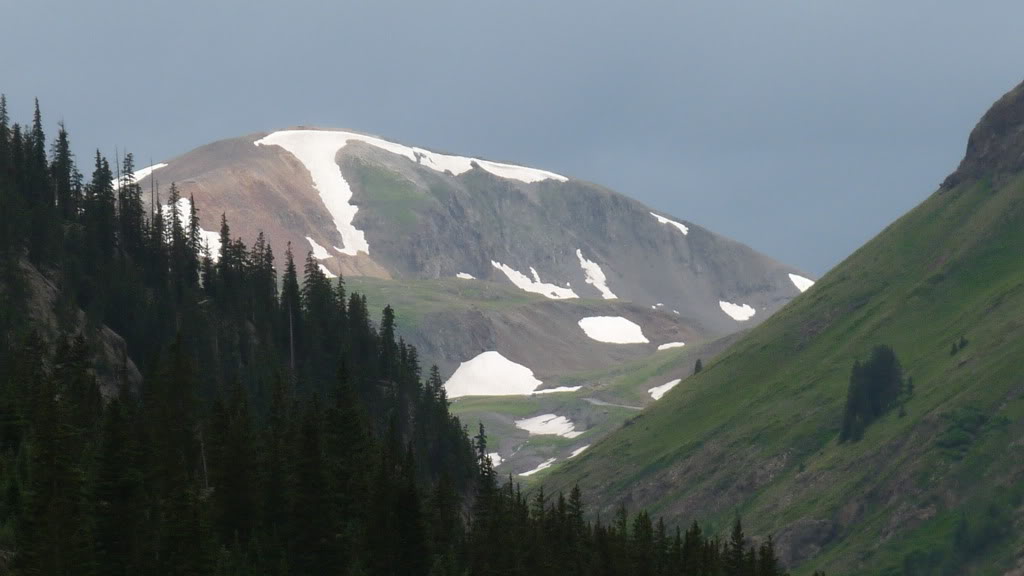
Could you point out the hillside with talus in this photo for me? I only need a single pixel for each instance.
(539, 296)
(856, 464)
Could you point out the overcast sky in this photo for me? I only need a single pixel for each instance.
(799, 128)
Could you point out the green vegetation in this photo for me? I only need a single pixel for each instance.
(416, 299)
(757, 430)
(387, 194)
(875, 387)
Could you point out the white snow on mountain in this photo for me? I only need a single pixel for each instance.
(578, 451)
(658, 391)
(668, 345)
(140, 174)
(523, 282)
(543, 466)
(465, 276)
(319, 252)
(612, 330)
(495, 459)
(521, 173)
(801, 283)
(327, 272)
(549, 424)
(558, 389)
(682, 227)
(317, 149)
(737, 312)
(210, 239)
(595, 276)
(491, 374)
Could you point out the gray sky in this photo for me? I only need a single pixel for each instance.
(800, 128)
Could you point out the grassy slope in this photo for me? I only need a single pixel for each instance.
(756, 431)
(415, 299)
(625, 385)
(621, 388)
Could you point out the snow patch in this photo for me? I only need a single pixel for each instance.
(613, 330)
(558, 389)
(549, 424)
(682, 227)
(521, 173)
(543, 466)
(319, 252)
(668, 345)
(140, 174)
(801, 283)
(523, 282)
(658, 391)
(184, 208)
(495, 459)
(491, 374)
(327, 272)
(739, 313)
(578, 451)
(465, 276)
(595, 276)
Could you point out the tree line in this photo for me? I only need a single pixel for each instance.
(277, 428)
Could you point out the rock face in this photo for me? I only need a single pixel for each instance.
(368, 207)
(996, 145)
(111, 364)
(568, 280)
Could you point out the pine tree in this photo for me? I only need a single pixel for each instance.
(768, 562)
(312, 540)
(118, 495)
(291, 308)
(734, 559)
(232, 464)
(62, 171)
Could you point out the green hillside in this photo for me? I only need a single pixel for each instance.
(936, 490)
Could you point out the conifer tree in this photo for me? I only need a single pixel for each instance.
(734, 560)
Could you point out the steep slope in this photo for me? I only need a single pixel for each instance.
(500, 268)
(937, 490)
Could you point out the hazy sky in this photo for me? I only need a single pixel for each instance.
(800, 128)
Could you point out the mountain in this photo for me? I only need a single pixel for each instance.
(511, 279)
(935, 485)
(160, 414)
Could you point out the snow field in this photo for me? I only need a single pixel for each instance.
(668, 345)
(578, 451)
(549, 424)
(319, 252)
(595, 276)
(613, 330)
(491, 374)
(801, 283)
(543, 466)
(739, 313)
(534, 285)
(681, 227)
(658, 391)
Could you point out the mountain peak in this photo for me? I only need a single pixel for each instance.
(996, 145)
